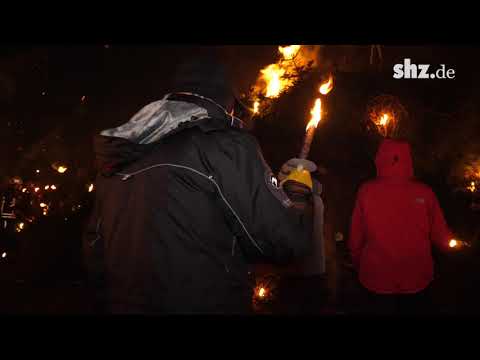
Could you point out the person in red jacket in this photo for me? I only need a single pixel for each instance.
(395, 222)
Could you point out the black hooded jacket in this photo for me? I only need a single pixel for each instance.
(177, 220)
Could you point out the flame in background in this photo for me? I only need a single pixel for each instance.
(276, 78)
(61, 169)
(326, 87)
(289, 52)
(384, 120)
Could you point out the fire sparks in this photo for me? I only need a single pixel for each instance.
(326, 87)
(316, 113)
(90, 188)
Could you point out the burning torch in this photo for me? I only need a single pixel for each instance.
(303, 166)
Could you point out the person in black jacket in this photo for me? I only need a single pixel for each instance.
(185, 203)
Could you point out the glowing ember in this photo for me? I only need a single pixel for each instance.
(453, 243)
(20, 227)
(262, 292)
(289, 52)
(256, 107)
(316, 113)
(326, 87)
(61, 169)
(90, 188)
(472, 187)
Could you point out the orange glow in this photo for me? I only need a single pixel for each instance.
(453, 243)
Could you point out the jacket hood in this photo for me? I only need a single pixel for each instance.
(394, 160)
(117, 147)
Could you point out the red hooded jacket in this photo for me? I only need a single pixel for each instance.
(395, 222)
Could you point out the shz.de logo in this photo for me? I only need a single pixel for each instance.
(407, 70)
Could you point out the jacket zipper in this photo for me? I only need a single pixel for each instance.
(126, 176)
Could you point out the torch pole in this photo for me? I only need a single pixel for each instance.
(307, 142)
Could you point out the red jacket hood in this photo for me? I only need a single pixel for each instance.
(394, 160)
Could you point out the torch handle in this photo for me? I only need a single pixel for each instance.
(307, 142)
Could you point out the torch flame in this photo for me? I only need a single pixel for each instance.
(316, 113)
(61, 169)
(289, 52)
(326, 87)
(384, 119)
